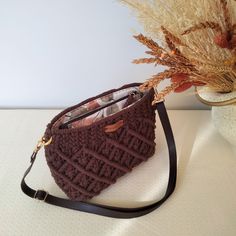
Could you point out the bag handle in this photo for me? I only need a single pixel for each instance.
(112, 211)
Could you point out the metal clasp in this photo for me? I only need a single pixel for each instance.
(42, 142)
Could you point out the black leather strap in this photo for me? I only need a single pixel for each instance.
(112, 211)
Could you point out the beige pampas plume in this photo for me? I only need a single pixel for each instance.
(195, 36)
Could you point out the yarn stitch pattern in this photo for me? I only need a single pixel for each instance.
(84, 161)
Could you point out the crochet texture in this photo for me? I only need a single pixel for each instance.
(84, 161)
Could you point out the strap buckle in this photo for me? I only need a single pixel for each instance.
(41, 195)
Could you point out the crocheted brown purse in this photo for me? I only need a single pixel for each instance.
(90, 145)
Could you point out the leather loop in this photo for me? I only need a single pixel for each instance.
(113, 127)
(112, 211)
(41, 195)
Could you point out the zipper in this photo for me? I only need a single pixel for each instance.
(82, 116)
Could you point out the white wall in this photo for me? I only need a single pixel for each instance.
(54, 53)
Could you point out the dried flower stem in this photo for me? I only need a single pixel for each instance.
(203, 25)
(172, 37)
(149, 43)
(145, 60)
(167, 90)
(226, 15)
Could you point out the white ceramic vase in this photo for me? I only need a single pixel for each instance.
(223, 112)
(224, 119)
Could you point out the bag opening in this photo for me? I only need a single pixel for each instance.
(99, 108)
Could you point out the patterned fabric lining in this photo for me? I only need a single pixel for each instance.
(100, 102)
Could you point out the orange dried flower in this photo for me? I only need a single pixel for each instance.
(222, 40)
(179, 77)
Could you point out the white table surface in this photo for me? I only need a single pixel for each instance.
(203, 204)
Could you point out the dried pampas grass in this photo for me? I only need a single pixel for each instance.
(196, 40)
